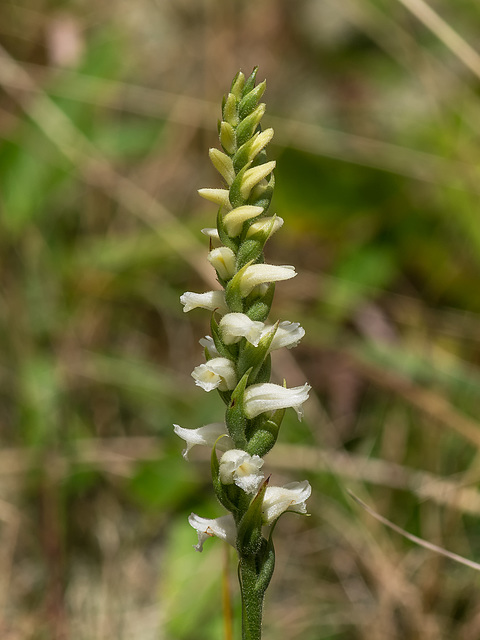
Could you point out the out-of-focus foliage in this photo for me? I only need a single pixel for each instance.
(107, 111)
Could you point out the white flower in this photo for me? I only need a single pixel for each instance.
(235, 326)
(259, 273)
(237, 466)
(223, 260)
(223, 528)
(266, 396)
(263, 224)
(210, 300)
(234, 219)
(207, 436)
(208, 344)
(217, 373)
(288, 335)
(291, 497)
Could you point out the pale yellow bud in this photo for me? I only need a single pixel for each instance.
(234, 219)
(263, 225)
(223, 164)
(259, 142)
(223, 260)
(218, 196)
(230, 114)
(254, 175)
(227, 137)
(238, 85)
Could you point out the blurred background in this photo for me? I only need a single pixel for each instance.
(107, 111)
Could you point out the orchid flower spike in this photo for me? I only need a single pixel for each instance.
(238, 350)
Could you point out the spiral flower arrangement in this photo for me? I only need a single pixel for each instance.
(237, 353)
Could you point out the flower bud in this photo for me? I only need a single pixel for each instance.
(246, 128)
(217, 196)
(234, 219)
(230, 114)
(256, 274)
(254, 175)
(223, 260)
(223, 164)
(268, 225)
(228, 138)
(238, 84)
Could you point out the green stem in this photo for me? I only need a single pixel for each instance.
(252, 600)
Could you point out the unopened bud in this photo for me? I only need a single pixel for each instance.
(218, 196)
(227, 137)
(223, 260)
(254, 175)
(223, 164)
(230, 114)
(234, 219)
(238, 84)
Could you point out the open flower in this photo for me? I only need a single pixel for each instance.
(207, 436)
(223, 528)
(237, 466)
(210, 300)
(291, 497)
(235, 326)
(288, 334)
(266, 396)
(217, 373)
(259, 273)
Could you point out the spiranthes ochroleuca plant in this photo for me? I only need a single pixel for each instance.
(237, 354)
